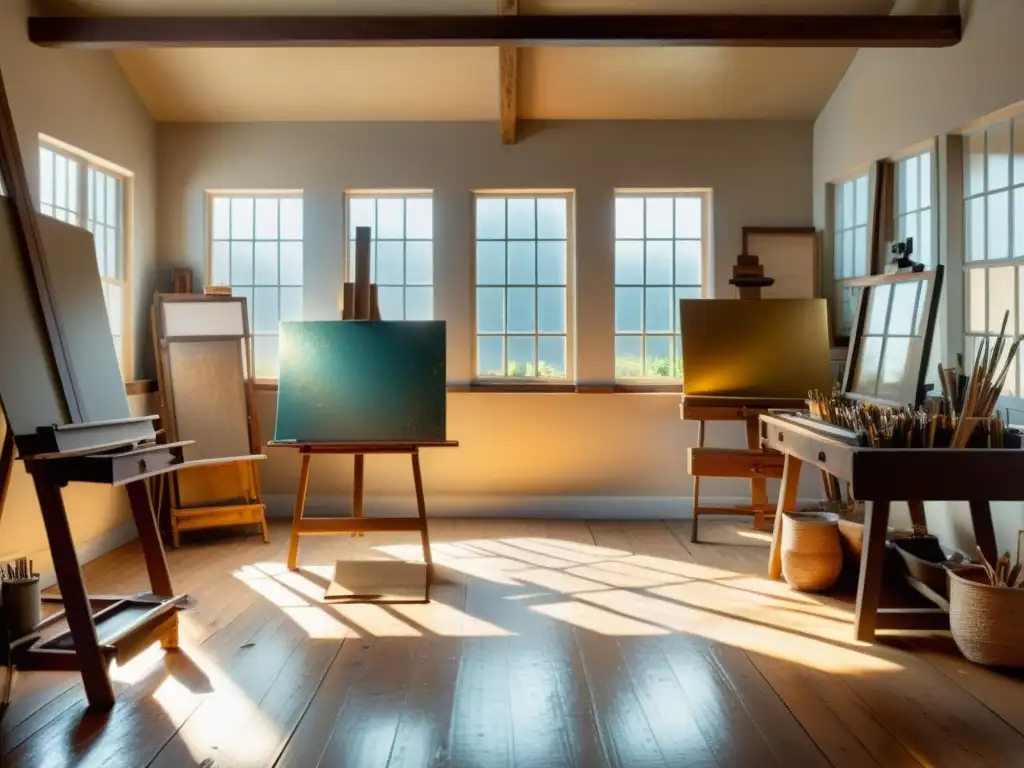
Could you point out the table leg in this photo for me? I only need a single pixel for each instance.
(357, 491)
(149, 536)
(421, 508)
(758, 485)
(95, 675)
(984, 533)
(917, 517)
(300, 503)
(787, 503)
(696, 487)
(869, 585)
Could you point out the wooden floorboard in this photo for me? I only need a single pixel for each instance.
(547, 643)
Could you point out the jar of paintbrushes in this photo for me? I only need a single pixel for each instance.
(19, 594)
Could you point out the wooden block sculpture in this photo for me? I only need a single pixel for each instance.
(359, 386)
(204, 368)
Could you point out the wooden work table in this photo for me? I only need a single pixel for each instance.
(880, 476)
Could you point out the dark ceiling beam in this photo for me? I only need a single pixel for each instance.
(698, 30)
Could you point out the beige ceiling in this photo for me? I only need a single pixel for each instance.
(259, 84)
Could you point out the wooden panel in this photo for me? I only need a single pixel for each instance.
(197, 317)
(220, 518)
(734, 462)
(209, 399)
(680, 29)
(220, 483)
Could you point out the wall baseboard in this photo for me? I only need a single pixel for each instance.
(280, 505)
(94, 548)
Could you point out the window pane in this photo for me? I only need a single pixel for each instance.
(99, 238)
(629, 313)
(551, 262)
(629, 262)
(904, 304)
(629, 217)
(522, 310)
(860, 252)
(551, 218)
(999, 225)
(241, 263)
(490, 218)
(291, 304)
(266, 218)
(1018, 151)
(659, 262)
(291, 218)
(974, 224)
(867, 371)
(490, 263)
(838, 256)
(910, 228)
(391, 302)
(264, 350)
(629, 356)
(291, 263)
(659, 218)
(908, 199)
(522, 262)
(113, 254)
(878, 309)
(659, 356)
(974, 163)
(73, 190)
(688, 262)
(689, 218)
(861, 187)
(851, 259)
(241, 218)
(60, 180)
(490, 310)
(490, 353)
(1018, 217)
(113, 199)
(551, 310)
(419, 303)
(115, 306)
(265, 310)
(1001, 298)
(976, 315)
(551, 356)
(46, 192)
(998, 154)
(925, 163)
(390, 218)
(419, 218)
(220, 265)
(923, 246)
(266, 263)
(362, 213)
(521, 356)
(246, 293)
(658, 314)
(390, 262)
(894, 364)
(419, 262)
(221, 218)
(522, 220)
(693, 292)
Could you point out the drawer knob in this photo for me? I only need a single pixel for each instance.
(780, 436)
(821, 455)
(142, 465)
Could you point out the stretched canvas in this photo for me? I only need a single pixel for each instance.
(361, 381)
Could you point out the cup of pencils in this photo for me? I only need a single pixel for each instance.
(19, 594)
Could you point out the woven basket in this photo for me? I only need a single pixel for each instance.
(812, 557)
(987, 622)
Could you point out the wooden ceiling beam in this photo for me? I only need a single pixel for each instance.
(643, 30)
(508, 79)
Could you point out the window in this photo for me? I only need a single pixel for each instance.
(994, 236)
(913, 207)
(660, 258)
(401, 251)
(850, 254)
(256, 248)
(522, 286)
(82, 190)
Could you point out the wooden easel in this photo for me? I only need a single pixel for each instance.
(360, 304)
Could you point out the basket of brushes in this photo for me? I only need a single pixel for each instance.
(986, 612)
(19, 594)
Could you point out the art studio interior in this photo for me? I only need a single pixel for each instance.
(512, 383)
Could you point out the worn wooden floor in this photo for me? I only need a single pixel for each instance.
(548, 644)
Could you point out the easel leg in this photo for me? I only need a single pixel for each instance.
(696, 487)
(95, 676)
(421, 508)
(6, 466)
(917, 517)
(357, 491)
(300, 503)
(149, 536)
(787, 503)
(984, 533)
(869, 586)
(758, 485)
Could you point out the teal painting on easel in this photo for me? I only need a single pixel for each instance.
(361, 381)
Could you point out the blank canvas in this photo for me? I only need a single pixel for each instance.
(361, 381)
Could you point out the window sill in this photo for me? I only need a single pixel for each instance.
(516, 387)
(526, 387)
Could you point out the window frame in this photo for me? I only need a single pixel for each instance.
(706, 266)
(569, 379)
(837, 285)
(91, 162)
(254, 194)
(349, 256)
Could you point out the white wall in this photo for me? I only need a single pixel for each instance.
(891, 100)
(85, 100)
(514, 446)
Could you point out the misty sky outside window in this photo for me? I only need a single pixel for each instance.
(658, 261)
(522, 281)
